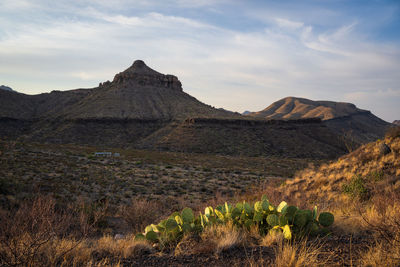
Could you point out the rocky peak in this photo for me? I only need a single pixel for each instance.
(140, 74)
(3, 87)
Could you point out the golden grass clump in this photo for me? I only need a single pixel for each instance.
(223, 237)
(298, 255)
(121, 248)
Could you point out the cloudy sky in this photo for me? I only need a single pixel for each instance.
(236, 54)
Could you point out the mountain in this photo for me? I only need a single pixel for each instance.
(357, 125)
(3, 87)
(397, 122)
(142, 108)
(301, 108)
(246, 112)
(139, 92)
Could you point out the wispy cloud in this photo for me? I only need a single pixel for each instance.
(67, 44)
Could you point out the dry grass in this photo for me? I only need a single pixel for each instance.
(121, 248)
(324, 185)
(382, 254)
(223, 237)
(271, 240)
(298, 255)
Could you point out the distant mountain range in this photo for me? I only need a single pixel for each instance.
(143, 108)
(397, 122)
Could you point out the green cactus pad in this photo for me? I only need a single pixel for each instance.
(265, 205)
(187, 215)
(287, 233)
(219, 214)
(239, 206)
(300, 219)
(283, 220)
(170, 225)
(208, 211)
(148, 228)
(139, 237)
(274, 231)
(273, 220)
(186, 228)
(258, 217)
(312, 228)
(247, 208)
(315, 211)
(326, 219)
(258, 206)
(151, 236)
(228, 207)
(236, 213)
(282, 207)
(179, 220)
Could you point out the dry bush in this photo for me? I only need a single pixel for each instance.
(142, 212)
(37, 232)
(27, 230)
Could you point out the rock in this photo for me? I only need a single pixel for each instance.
(140, 74)
(384, 149)
(119, 236)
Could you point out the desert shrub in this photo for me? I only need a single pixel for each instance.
(34, 233)
(23, 232)
(356, 188)
(142, 212)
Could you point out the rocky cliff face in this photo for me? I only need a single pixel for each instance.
(139, 74)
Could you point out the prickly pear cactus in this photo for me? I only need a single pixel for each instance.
(284, 219)
(326, 219)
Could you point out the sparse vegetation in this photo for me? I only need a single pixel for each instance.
(89, 210)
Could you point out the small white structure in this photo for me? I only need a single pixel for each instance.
(103, 154)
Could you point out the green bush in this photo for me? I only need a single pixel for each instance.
(356, 188)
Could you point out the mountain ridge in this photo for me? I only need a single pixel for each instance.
(139, 92)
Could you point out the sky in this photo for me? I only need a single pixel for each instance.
(235, 54)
